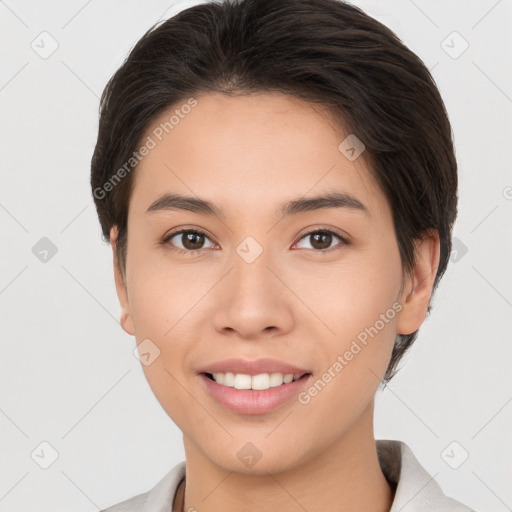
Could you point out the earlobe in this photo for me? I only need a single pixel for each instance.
(418, 290)
(121, 288)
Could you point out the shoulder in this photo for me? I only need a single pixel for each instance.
(415, 489)
(157, 499)
(134, 504)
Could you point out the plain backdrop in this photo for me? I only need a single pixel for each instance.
(73, 395)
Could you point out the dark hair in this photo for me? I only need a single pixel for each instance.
(323, 51)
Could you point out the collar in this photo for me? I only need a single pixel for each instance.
(416, 490)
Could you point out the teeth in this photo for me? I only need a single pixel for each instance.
(261, 381)
(242, 381)
(276, 379)
(257, 382)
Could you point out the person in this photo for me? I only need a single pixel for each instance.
(278, 184)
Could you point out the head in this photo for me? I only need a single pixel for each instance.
(237, 104)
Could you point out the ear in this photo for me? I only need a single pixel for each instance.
(419, 285)
(122, 292)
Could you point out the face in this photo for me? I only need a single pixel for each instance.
(262, 281)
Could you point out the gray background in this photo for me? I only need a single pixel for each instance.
(69, 376)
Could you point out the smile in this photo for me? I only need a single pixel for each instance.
(256, 382)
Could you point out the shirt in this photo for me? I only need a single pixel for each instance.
(416, 490)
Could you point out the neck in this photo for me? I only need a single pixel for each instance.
(346, 476)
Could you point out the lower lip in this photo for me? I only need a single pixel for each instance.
(250, 401)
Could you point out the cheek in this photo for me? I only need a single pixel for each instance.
(161, 308)
(352, 296)
(357, 301)
(164, 296)
(355, 358)
(166, 306)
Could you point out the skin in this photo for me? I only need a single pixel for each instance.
(249, 154)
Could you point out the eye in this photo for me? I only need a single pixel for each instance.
(187, 241)
(322, 239)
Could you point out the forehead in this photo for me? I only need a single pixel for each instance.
(251, 149)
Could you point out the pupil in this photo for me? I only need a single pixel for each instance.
(189, 239)
(322, 236)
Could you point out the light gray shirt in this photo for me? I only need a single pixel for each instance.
(416, 490)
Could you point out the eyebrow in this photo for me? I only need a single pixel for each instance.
(293, 207)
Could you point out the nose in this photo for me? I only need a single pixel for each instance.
(253, 301)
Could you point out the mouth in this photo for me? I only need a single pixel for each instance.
(246, 394)
(259, 382)
(255, 386)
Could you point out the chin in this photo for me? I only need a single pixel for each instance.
(257, 459)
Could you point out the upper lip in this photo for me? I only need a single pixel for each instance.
(254, 367)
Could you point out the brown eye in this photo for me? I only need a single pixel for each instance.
(187, 240)
(192, 241)
(321, 240)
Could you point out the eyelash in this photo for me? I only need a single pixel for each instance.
(168, 237)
